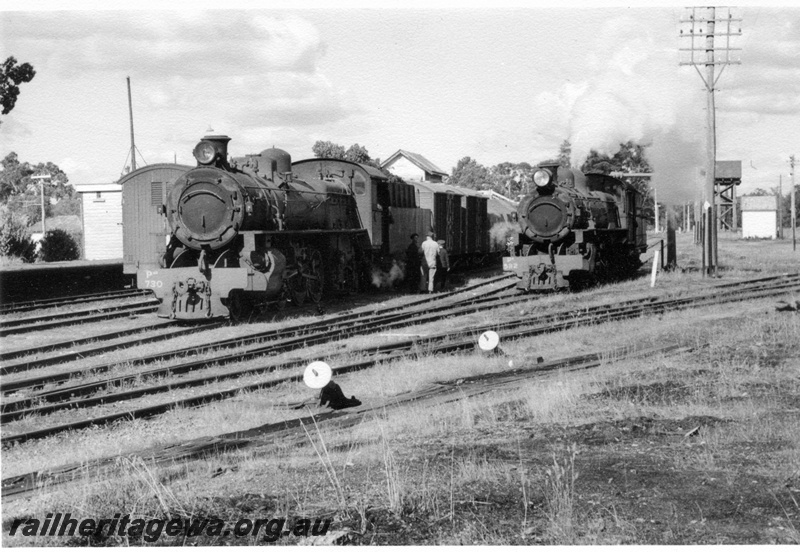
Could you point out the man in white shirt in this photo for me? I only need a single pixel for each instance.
(430, 252)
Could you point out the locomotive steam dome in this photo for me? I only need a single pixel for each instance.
(280, 160)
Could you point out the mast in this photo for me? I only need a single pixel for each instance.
(130, 111)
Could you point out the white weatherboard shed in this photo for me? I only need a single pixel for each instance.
(413, 166)
(760, 217)
(101, 216)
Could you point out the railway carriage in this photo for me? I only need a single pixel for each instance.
(145, 231)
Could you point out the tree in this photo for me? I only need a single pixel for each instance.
(15, 242)
(12, 75)
(468, 173)
(357, 154)
(328, 150)
(59, 245)
(786, 206)
(68, 206)
(23, 194)
(511, 179)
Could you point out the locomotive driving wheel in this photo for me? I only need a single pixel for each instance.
(314, 277)
(240, 306)
(297, 289)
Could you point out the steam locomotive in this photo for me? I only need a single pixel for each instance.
(257, 230)
(576, 228)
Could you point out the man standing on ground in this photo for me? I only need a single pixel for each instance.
(430, 250)
(413, 264)
(443, 267)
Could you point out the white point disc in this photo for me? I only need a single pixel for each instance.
(317, 375)
(488, 341)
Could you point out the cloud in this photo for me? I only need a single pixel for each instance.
(167, 44)
(232, 69)
(768, 79)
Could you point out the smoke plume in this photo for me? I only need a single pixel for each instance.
(639, 92)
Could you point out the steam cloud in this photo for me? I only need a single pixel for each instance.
(382, 279)
(638, 92)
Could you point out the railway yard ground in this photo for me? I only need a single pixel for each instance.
(675, 424)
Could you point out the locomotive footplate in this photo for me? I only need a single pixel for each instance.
(538, 272)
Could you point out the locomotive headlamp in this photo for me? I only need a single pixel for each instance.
(542, 177)
(205, 152)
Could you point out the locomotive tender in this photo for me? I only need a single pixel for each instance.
(259, 229)
(575, 228)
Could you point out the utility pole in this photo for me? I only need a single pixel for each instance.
(701, 24)
(130, 111)
(794, 207)
(41, 178)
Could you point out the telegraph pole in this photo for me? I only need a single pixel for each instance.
(41, 178)
(130, 111)
(702, 32)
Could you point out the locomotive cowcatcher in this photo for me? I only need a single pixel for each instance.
(576, 228)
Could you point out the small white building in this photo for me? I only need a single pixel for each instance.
(760, 217)
(101, 217)
(413, 166)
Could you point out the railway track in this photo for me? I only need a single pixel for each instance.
(10, 368)
(340, 321)
(293, 429)
(286, 339)
(445, 342)
(158, 331)
(57, 320)
(11, 308)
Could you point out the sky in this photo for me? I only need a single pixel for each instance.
(508, 82)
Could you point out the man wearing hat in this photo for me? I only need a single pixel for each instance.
(442, 266)
(413, 264)
(430, 252)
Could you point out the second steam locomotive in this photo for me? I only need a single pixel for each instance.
(576, 228)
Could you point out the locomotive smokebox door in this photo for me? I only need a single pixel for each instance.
(210, 208)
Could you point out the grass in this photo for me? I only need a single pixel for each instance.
(697, 448)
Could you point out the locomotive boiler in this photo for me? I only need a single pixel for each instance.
(576, 228)
(245, 232)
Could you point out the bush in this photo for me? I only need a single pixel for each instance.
(14, 239)
(58, 245)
